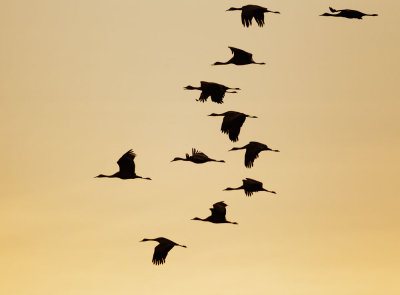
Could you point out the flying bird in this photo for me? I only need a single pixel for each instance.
(252, 11)
(347, 13)
(126, 168)
(197, 157)
(239, 58)
(232, 123)
(250, 186)
(215, 90)
(162, 249)
(218, 213)
(253, 148)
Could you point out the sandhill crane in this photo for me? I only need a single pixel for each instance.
(347, 13)
(250, 186)
(126, 168)
(218, 213)
(250, 11)
(232, 123)
(239, 58)
(215, 90)
(253, 148)
(197, 157)
(162, 249)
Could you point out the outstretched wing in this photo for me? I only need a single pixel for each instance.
(250, 155)
(241, 54)
(126, 163)
(205, 91)
(217, 92)
(231, 125)
(247, 16)
(259, 17)
(161, 252)
(333, 10)
(218, 211)
(199, 155)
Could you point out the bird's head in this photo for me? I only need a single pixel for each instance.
(145, 240)
(196, 218)
(177, 159)
(218, 63)
(213, 115)
(248, 116)
(100, 176)
(189, 87)
(233, 8)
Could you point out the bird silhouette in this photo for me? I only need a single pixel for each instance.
(252, 11)
(162, 249)
(253, 148)
(239, 58)
(218, 213)
(215, 90)
(197, 157)
(126, 168)
(250, 186)
(232, 123)
(347, 13)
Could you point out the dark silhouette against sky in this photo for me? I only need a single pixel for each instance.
(162, 249)
(126, 168)
(197, 157)
(239, 58)
(252, 11)
(218, 214)
(250, 186)
(253, 149)
(232, 123)
(215, 90)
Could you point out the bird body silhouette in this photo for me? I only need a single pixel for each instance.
(215, 90)
(253, 149)
(250, 186)
(162, 249)
(252, 11)
(232, 123)
(197, 157)
(347, 13)
(126, 168)
(239, 58)
(218, 214)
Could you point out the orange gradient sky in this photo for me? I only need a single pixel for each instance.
(82, 82)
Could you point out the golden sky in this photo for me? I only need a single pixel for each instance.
(82, 82)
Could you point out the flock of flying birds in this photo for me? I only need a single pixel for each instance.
(231, 125)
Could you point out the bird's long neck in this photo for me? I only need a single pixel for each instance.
(330, 14)
(180, 159)
(198, 218)
(272, 11)
(218, 63)
(231, 222)
(277, 151)
(109, 176)
(192, 88)
(233, 188)
(238, 148)
(258, 63)
(374, 14)
(234, 8)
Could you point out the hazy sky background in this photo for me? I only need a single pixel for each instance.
(82, 82)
